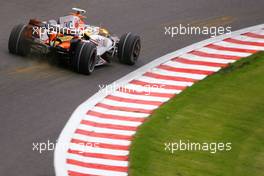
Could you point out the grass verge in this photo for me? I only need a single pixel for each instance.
(225, 107)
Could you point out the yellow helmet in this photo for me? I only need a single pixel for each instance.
(103, 32)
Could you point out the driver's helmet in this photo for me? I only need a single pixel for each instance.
(70, 21)
(79, 14)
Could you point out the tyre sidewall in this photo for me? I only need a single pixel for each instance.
(126, 48)
(84, 54)
(17, 43)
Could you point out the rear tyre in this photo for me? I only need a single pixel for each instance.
(129, 48)
(17, 43)
(83, 57)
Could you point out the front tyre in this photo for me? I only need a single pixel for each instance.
(129, 48)
(17, 43)
(83, 58)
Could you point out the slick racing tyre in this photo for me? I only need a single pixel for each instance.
(18, 43)
(83, 58)
(129, 48)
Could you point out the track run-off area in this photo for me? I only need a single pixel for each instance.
(97, 137)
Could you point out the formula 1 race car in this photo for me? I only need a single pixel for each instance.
(84, 46)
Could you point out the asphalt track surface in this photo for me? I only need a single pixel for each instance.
(37, 96)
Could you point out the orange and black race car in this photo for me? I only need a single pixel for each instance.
(84, 46)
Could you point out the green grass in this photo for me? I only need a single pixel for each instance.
(225, 107)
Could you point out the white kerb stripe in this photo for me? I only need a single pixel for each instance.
(248, 39)
(191, 66)
(151, 89)
(259, 32)
(130, 105)
(97, 160)
(106, 130)
(88, 149)
(228, 53)
(111, 121)
(139, 97)
(207, 59)
(119, 113)
(178, 74)
(163, 81)
(91, 139)
(239, 46)
(91, 171)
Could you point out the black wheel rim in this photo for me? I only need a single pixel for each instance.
(136, 51)
(92, 62)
